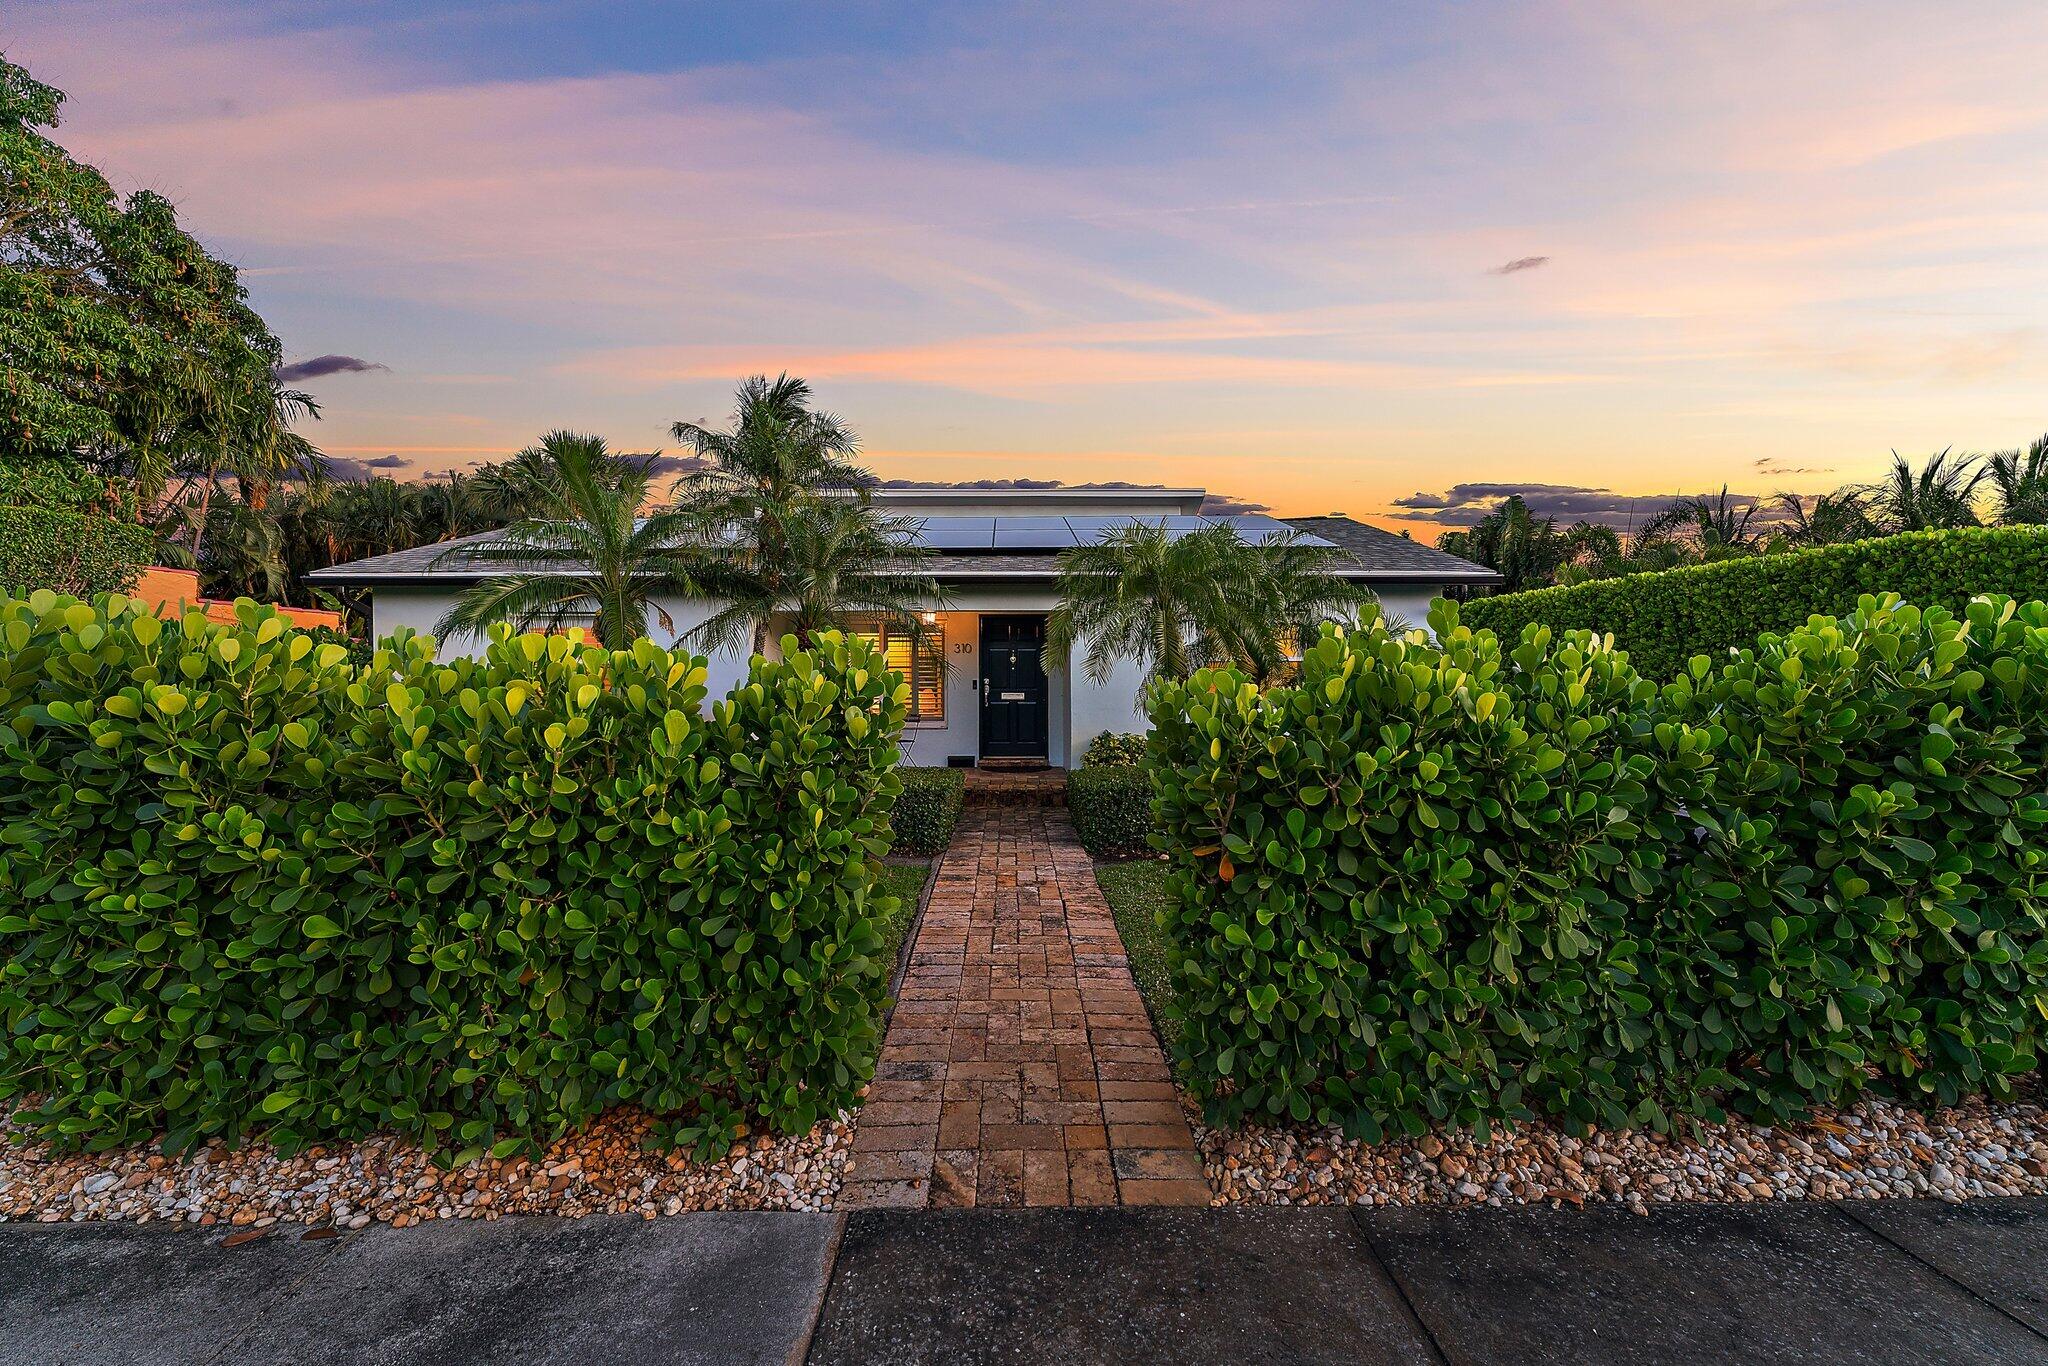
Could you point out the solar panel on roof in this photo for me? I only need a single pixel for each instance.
(1052, 534)
(1258, 528)
(955, 533)
(1092, 530)
(1034, 538)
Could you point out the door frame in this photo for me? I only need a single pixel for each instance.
(982, 699)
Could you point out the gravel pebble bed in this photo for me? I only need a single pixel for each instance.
(603, 1169)
(1874, 1150)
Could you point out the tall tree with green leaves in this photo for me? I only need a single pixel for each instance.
(1175, 603)
(1713, 526)
(1940, 494)
(1510, 540)
(777, 449)
(1144, 595)
(843, 565)
(1824, 518)
(2019, 484)
(589, 555)
(122, 340)
(1282, 593)
(779, 454)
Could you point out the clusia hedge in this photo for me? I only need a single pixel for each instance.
(247, 885)
(1479, 880)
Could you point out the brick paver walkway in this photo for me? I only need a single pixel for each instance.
(1020, 1067)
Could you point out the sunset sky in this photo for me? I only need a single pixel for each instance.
(1384, 259)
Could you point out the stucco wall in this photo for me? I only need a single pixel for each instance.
(421, 608)
(1411, 605)
(1107, 706)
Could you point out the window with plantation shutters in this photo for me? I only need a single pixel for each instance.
(920, 662)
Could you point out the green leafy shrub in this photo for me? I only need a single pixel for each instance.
(1465, 881)
(360, 651)
(927, 809)
(65, 528)
(1664, 619)
(250, 886)
(70, 551)
(1111, 809)
(1112, 749)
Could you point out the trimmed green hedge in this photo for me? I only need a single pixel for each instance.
(1471, 881)
(1111, 809)
(927, 809)
(248, 886)
(1664, 619)
(70, 552)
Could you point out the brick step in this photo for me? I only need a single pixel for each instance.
(997, 787)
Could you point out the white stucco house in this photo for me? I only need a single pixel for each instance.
(995, 552)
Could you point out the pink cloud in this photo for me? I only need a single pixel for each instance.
(1759, 218)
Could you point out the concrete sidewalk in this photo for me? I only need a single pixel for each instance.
(709, 1288)
(1898, 1281)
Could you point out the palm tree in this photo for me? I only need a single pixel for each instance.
(1513, 543)
(1176, 603)
(1141, 594)
(777, 449)
(267, 448)
(778, 456)
(245, 553)
(511, 490)
(1588, 550)
(1283, 593)
(1716, 526)
(1937, 496)
(458, 504)
(591, 555)
(843, 565)
(2019, 484)
(1825, 519)
(377, 516)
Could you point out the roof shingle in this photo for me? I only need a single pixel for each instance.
(1382, 554)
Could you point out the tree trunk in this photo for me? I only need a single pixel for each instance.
(199, 521)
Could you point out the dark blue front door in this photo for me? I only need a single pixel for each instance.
(1013, 700)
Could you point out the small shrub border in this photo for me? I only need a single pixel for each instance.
(250, 886)
(1111, 809)
(1114, 749)
(1482, 880)
(927, 809)
(1664, 619)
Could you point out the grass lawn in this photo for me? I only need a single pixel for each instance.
(1136, 891)
(903, 881)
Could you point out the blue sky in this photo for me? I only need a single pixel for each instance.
(1259, 248)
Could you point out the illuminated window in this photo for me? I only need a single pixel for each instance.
(920, 661)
